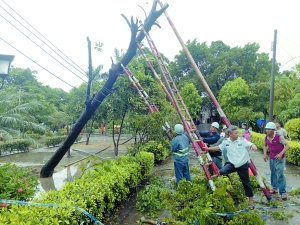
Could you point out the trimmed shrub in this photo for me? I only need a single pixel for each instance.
(293, 128)
(21, 145)
(158, 148)
(54, 141)
(98, 192)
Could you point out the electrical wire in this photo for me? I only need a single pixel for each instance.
(43, 36)
(284, 49)
(41, 48)
(36, 63)
(289, 40)
(42, 41)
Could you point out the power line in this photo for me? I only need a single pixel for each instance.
(43, 36)
(291, 60)
(289, 40)
(42, 49)
(284, 49)
(42, 41)
(37, 63)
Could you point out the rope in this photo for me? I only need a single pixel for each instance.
(51, 205)
(247, 210)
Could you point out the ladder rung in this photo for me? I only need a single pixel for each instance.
(215, 175)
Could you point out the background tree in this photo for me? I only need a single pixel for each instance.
(58, 120)
(16, 119)
(191, 99)
(293, 109)
(235, 96)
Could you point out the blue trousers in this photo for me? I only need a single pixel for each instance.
(182, 171)
(277, 175)
(243, 174)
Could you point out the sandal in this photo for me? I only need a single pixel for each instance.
(274, 191)
(251, 206)
(284, 197)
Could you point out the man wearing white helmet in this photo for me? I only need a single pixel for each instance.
(211, 138)
(180, 150)
(277, 146)
(237, 155)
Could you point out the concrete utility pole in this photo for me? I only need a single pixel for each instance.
(90, 71)
(273, 77)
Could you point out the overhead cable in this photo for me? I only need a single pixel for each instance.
(42, 48)
(37, 63)
(43, 36)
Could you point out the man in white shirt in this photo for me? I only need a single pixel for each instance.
(238, 156)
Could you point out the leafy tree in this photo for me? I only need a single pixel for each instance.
(293, 109)
(15, 118)
(220, 63)
(283, 92)
(191, 99)
(235, 96)
(59, 119)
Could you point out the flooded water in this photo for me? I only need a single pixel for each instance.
(62, 174)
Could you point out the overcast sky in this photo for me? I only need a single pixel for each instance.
(67, 23)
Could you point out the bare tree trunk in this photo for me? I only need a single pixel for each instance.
(120, 132)
(88, 134)
(93, 104)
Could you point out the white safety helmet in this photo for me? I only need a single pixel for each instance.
(179, 129)
(271, 126)
(216, 125)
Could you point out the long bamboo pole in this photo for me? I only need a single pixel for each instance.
(70, 164)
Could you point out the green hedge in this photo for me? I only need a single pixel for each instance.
(54, 141)
(98, 192)
(292, 155)
(21, 145)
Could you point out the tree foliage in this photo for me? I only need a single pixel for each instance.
(192, 99)
(235, 96)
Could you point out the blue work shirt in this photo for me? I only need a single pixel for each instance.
(211, 139)
(180, 147)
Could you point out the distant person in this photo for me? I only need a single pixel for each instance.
(180, 151)
(277, 145)
(223, 133)
(280, 130)
(246, 134)
(211, 138)
(244, 127)
(237, 153)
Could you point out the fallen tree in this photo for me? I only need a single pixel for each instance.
(115, 70)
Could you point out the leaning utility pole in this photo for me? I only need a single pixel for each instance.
(273, 77)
